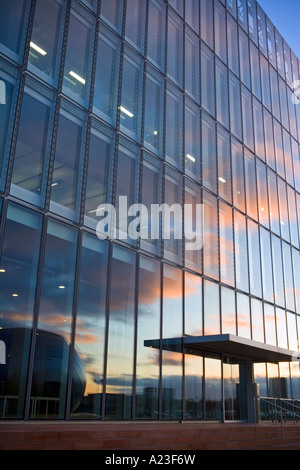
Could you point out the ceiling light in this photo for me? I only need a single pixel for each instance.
(61, 287)
(190, 157)
(38, 49)
(2, 270)
(155, 132)
(54, 184)
(222, 179)
(77, 77)
(15, 295)
(125, 111)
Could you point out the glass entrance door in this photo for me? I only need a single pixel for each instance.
(234, 386)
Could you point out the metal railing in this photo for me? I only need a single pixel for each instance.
(279, 410)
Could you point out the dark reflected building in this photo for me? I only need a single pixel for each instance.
(162, 102)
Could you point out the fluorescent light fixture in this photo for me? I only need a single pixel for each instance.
(54, 184)
(190, 157)
(38, 49)
(98, 209)
(125, 111)
(2, 270)
(155, 132)
(222, 179)
(61, 287)
(15, 295)
(77, 77)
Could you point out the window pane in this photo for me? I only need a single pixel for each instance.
(45, 37)
(135, 23)
(265, 82)
(275, 93)
(262, 30)
(132, 86)
(244, 58)
(283, 210)
(192, 65)
(270, 325)
(271, 42)
(296, 164)
(266, 265)
(154, 103)
(209, 153)
(292, 332)
(192, 141)
(288, 277)
(90, 328)
(277, 270)
(220, 31)
(206, 17)
(193, 323)
(250, 178)
(269, 139)
(100, 159)
(33, 144)
(78, 54)
(283, 104)
(192, 14)
(175, 48)
(211, 308)
(293, 216)
(262, 193)
(156, 40)
(148, 329)
(193, 226)
(235, 106)
(174, 124)
(296, 273)
(288, 161)
(106, 76)
(254, 259)
(112, 12)
(11, 23)
(255, 71)
(243, 316)
(232, 37)
(258, 129)
(226, 244)
(241, 252)
(210, 240)
(252, 20)
(228, 311)
(224, 165)
(279, 148)
(281, 328)
(119, 373)
(247, 118)
(173, 195)
(213, 389)
(273, 202)
(65, 187)
(257, 321)
(207, 80)
(18, 278)
(50, 371)
(238, 178)
(222, 93)
(193, 384)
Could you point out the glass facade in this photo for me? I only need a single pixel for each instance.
(161, 102)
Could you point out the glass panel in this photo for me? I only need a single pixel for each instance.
(46, 37)
(243, 315)
(192, 65)
(254, 259)
(238, 177)
(232, 7)
(279, 148)
(250, 179)
(271, 42)
(244, 58)
(222, 93)
(50, 371)
(11, 23)
(269, 139)
(119, 373)
(265, 82)
(172, 356)
(191, 140)
(281, 328)
(210, 240)
(241, 252)
(287, 150)
(211, 308)
(248, 127)
(279, 53)
(296, 164)
(151, 194)
(228, 311)
(148, 328)
(112, 12)
(257, 320)
(18, 278)
(262, 193)
(277, 270)
(232, 37)
(135, 23)
(270, 325)
(192, 14)
(296, 272)
(224, 165)
(206, 18)
(193, 384)
(209, 153)
(33, 144)
(207, 80)
(132, 87)
(220, 31)
(174, 126)
(193, 323)
(173, 199)
(66, 179)
(266, 265)
(177, 5)
(262, 30)
(7, 85)
(156, 40)
(107, 76)
(90, 330)
(283, 209)
(235, 106)
(154, 105)
(288, 277)
(242, 13)
(213, 388)
(252, 20)
(275, 93)
(283, 104)
(226, 244)
(175, 48)
(273, 201)
(98, 184)
(193, 226)
(78, 55)
(258, 129)
(293, 216)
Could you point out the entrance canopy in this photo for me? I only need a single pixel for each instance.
(228, 344)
